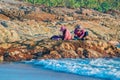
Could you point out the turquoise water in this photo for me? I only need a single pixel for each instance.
(63, 69)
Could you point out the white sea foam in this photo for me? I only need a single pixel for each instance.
(102, 68)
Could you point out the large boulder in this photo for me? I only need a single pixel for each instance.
(52, 55)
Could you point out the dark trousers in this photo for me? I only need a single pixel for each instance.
(77, 38)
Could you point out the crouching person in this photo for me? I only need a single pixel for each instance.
(66, 35)
(80, 33)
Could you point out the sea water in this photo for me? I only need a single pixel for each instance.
(62, 69)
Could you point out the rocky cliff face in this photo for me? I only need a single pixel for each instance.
(24, 27)
(25, 21)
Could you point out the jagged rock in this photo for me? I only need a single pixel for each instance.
(40, 16)
(13, 13)
(4, 46)
(50, 49)
(8, 35)
(14, 36)
(68, 18)
(69, 54)
(53, 54)
(67, 46)
(3, 17)
(80, 52)
(17, 54)
(48, 10)
(95, 54)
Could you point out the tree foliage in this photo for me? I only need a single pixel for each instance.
(100, 5)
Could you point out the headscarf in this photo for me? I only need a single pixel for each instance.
(62, 28)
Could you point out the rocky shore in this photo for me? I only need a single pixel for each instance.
(51, 49)
(25, 32)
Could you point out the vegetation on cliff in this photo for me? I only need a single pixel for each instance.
(100, 5)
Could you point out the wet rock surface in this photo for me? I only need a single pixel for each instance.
(25, 32)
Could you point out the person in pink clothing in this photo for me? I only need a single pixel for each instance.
(66, 35)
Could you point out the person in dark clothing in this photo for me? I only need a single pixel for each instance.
(80, 33)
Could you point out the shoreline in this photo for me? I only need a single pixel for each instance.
(16, 71)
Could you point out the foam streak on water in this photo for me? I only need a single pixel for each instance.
(102, 68)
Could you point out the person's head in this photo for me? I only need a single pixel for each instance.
(62, 28)
(78, 26)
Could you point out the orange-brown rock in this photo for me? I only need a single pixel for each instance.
(5, 45)
(67, 46)
(2, 51)
(17, 54)
(69, 54)
(51, 49)
(94, 54)
(41, 16)
(3, 17)
(52, 55)
(13, 13)
(80, 52)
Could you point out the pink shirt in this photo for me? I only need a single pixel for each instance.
(67, 35)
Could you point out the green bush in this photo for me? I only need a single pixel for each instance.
(100, 5)
(105, 6)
